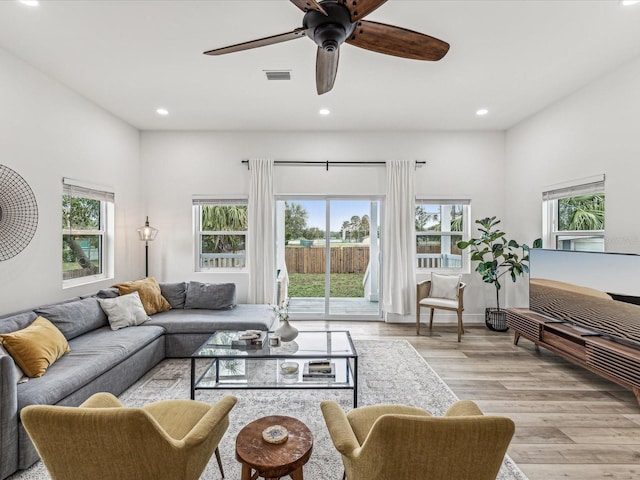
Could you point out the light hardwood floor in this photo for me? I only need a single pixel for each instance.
(570, 423)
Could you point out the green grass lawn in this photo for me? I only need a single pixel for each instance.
(312, 285)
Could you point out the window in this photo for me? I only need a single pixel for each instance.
(440, 225)
(221, 233)
(573, 216)
(87, 233)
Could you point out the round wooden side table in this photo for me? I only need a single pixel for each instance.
(272, 461)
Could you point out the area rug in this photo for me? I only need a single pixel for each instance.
(390, 371)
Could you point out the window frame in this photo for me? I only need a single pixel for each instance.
(197, 204)
(550, 211)
(465, 233)
(105, 231)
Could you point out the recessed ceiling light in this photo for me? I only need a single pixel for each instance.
(29, 3)
(626, 3)
(481, 112)
(162, 111)
(324, 111)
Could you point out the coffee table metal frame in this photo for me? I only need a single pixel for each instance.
(333, 345)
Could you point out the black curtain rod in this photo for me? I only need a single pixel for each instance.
(326, 163)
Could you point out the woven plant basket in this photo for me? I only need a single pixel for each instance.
(496, 319)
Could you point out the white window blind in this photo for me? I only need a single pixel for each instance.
(220, 201)
(76, 188)
(588, 186)
(442, 201)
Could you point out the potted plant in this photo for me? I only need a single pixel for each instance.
(496, 257)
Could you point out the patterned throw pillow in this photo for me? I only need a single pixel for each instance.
(124, 311)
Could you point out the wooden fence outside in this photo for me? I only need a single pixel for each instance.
(353, 259)
(312, 259)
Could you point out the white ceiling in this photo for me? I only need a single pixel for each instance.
(130, 57)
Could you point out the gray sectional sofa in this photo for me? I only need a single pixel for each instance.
(105, 360)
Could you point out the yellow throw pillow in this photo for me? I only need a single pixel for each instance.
(150, 295)
(36, 347)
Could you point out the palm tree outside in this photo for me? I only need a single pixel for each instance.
(584, 212)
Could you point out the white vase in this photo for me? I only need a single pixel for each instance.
(286, 331)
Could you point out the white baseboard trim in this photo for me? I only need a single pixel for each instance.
(471, 318)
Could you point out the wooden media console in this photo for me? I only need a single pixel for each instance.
(588, 348)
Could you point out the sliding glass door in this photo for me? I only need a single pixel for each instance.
(329, 256)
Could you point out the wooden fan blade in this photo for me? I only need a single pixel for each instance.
(326, 69)
(397, 41)
(361, 8)
(262, 42)
(306, 5)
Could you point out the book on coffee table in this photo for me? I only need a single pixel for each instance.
(315, 370)
(239, 340)
(249, 339)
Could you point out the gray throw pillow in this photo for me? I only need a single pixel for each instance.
(175, 293)
(212, 296)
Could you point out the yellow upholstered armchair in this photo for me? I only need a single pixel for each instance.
(384, 442)
(444, 292)
(102, 439)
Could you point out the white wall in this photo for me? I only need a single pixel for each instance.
(594, 131)
(48, 132)
(177, 165)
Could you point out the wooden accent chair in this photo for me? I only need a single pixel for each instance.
(407, 443)
(444, 292)
(102, 439)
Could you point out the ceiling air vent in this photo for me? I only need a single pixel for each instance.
(278, 74)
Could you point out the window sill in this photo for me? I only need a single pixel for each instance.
(77, 282)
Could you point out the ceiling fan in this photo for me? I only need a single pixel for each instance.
(330, 23)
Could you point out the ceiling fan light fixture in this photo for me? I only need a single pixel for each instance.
(324, 112)
(162, 111)
(482, 112)
(332, 23)
(329, 31)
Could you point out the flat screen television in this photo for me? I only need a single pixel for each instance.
(598, 292)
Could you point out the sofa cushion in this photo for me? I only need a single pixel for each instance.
(175, 293)
(124, 311)
(149, 292)
(76, 317)
(211, 296)
(107, 293)
(36, 347)
(92, 354)
(243, 317)
(17, 321)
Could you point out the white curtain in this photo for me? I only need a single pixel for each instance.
(399, 251)
(261, 242)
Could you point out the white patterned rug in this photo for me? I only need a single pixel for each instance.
(390, 371)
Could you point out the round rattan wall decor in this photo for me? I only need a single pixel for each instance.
(18, 213)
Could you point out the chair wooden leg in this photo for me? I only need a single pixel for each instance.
(344, 475)
(460, 327)
(418, 319)
(431, 318)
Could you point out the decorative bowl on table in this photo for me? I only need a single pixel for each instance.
(289, 371)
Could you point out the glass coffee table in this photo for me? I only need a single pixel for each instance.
(260, 367)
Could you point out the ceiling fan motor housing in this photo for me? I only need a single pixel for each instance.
(331, 30)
